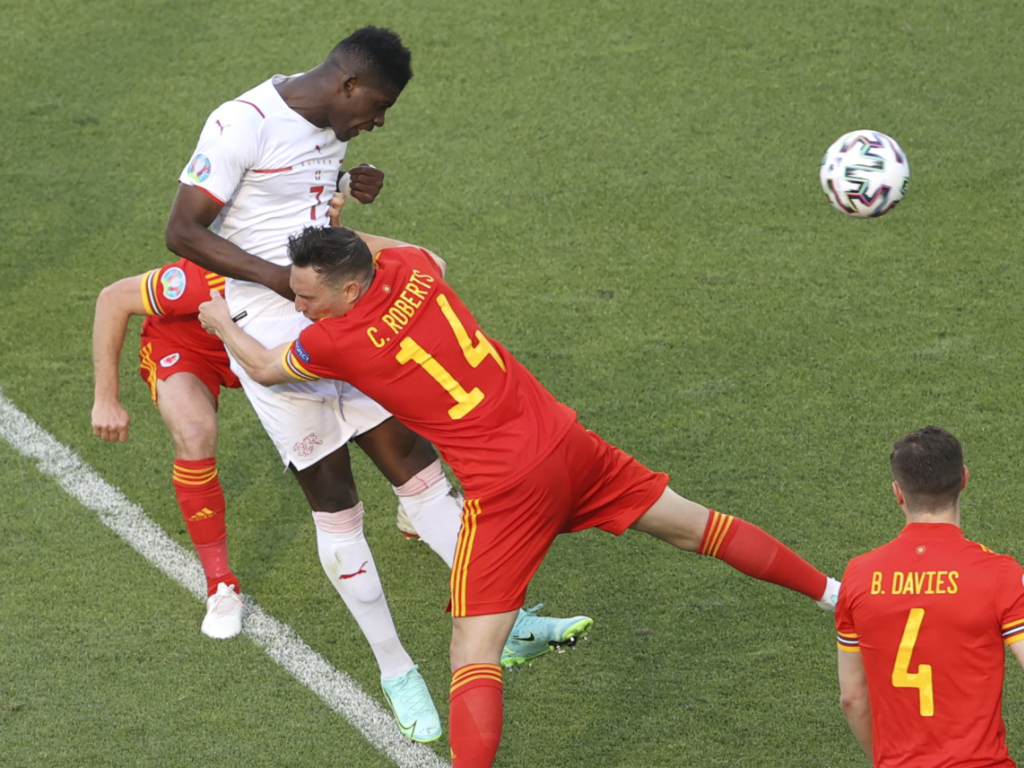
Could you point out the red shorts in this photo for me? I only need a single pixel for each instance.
(584, 483)
(161, 358)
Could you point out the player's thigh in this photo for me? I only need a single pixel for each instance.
(328, 483)
(397, 451)
(189, 411)
(504, 538)
(676, 520)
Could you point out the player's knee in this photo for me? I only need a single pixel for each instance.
(194, 440)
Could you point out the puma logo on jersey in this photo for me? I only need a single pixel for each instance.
(222, 126)
(202, 514)
(362, 569)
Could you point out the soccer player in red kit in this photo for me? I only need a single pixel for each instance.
(922, 622)
(185, 367)
(392, 326)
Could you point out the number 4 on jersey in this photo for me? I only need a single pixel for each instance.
(410, 351)
(902, 677)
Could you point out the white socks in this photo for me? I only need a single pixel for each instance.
(348, 563)
(434, 512)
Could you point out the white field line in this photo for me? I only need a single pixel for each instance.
(339, 691)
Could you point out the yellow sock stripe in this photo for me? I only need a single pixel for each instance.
(490, 676)
(473, 672)
(714, 520)
(194, 470)
(193, 477)
(471, 669)
(722, 524)
(146, 361)
(463, 551)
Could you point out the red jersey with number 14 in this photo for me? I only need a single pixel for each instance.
(930, 613)
(411, 345)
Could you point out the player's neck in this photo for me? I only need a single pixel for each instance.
(948, 515)
(304, 94)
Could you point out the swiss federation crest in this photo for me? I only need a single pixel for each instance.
(173, 283)
(200, 167)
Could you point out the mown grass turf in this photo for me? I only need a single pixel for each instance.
(627, 195)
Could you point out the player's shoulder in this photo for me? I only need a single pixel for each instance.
(251, 109)
(989, 556)
(881, 553)
(408, 256)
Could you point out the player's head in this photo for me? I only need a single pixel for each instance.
(372, 68)
(331, 269)
(928, 470)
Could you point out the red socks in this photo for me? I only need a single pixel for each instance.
(750, 550)
(201, 500)
(475, 716)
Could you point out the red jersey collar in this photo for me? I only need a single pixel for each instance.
(932, 530)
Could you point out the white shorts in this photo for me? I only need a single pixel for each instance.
(305, 420)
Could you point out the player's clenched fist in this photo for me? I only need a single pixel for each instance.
(110, 422)
(365, 182)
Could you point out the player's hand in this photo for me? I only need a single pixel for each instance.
(214, 314)
(334, 209)
(366, 182)
(110, 422)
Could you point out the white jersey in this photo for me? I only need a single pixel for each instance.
(273, 171)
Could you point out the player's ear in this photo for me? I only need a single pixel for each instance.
(898, 493)
(963, 482)
(349, 83)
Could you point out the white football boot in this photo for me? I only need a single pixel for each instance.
(223, 613)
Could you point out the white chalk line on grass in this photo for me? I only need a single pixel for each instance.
(129, 521)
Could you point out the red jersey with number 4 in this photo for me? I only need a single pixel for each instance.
(171, 296)
(412, 346)
(930, 613)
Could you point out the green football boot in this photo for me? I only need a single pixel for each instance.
(534, 635)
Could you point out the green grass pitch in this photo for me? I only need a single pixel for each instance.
(627, 196)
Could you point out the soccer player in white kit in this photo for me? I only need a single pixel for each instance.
(266, 166)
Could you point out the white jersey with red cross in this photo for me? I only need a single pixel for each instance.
(273, 171)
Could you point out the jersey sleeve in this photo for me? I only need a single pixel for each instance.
(228, 146)
(178, 289)
(847, 638)
(1010, 601)
(311, 356)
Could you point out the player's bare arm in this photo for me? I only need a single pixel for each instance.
(189, 236)
(853, 698)
(1018, 652)
(264, 366)
(376, 243)
(114, 307)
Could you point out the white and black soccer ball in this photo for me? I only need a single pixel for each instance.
(864, 173)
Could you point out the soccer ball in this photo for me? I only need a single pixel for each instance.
(864, 174)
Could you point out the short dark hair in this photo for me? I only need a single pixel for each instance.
(336, 254)
(379, 53)
(928, 464)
